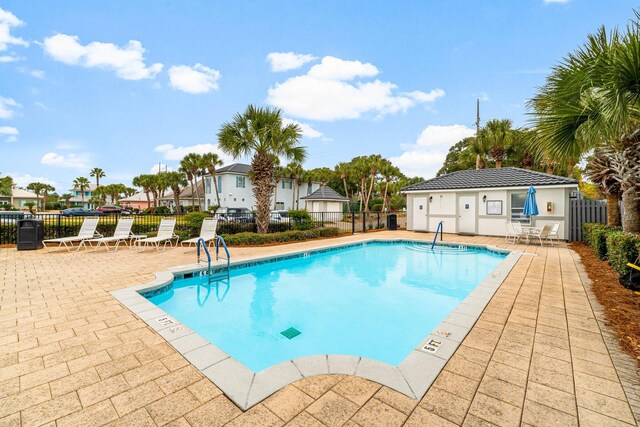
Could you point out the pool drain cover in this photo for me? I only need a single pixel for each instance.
(290, 333)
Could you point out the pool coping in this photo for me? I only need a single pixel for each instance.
(412, 377)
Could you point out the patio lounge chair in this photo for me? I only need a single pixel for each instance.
(165, 236)
(87, 232)
(518, 232)
(541, 234)
(121, 234)
(553, 234)
(511, 236)
(207, 233)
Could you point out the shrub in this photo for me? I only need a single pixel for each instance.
(162, 210)
(622, 248)
(252, 239)
(236, 227)
(300, 219)
(377, 207)
(193, 223)
(595, 235)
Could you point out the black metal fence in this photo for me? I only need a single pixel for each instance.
(57, 225)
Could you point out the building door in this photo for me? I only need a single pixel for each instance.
(467, 214)
(420, 214)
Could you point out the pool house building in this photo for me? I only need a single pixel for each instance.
(480, 202)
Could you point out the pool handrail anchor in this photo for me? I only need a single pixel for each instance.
(202, 243)
(220, 240)
(438, 230)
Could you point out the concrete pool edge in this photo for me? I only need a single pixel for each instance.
(412, 377)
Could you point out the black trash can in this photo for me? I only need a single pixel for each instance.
(30, 234)
(392, 222)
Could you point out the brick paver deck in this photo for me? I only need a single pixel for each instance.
(71, 354)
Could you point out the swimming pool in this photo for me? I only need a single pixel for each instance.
(370, 309)
(376, 300)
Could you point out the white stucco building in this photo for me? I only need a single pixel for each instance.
(482, 201)
(325, 199)
(236, 191)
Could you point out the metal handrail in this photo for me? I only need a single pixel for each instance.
(204, 245)
(219, 240)
(439, 229)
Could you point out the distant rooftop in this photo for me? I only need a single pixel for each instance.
(240, 168)
(325, 193)
(490, 178)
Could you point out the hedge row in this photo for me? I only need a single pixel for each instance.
(252, 239)
(614, 245)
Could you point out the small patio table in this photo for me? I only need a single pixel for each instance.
(529, 231)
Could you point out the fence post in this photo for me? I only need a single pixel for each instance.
(353, 223)
(364, 222)
(58, 229)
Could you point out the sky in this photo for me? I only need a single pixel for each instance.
(128, 85)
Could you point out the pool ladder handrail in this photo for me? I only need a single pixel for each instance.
(219, 240)
(439, 229)
(202, 243)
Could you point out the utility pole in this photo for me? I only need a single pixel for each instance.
(477, 116)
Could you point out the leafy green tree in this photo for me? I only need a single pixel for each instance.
(37, 188)
(592, 100)
(260, 133)
(176, 181)
(66, 197)
(97, 173)
(81, 183)
(496, 136)
(6, 186)
(190, 165)
(211, 162)
(146, 182)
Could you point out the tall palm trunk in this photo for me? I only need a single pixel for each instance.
(346, 192)
(263, 170)
(478, 162)
(146, 191)
(200, 202)
(366, 204)
(176, 198)
(214, 176)
(631, 215)
(275, 195)
(293, 196)
(384, 199)
(498, 164)
(613, 209)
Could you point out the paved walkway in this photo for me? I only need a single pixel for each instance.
(70, 353)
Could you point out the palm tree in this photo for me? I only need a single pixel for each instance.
(390, 173)
(479, 148)
(190, 165)
(211, 162)
(176, 181)
(592, 100)
(375, 162)
(599, 172)
(97, 173)
(45, 190)
(343, 169)
(81, 183)
(145, 182)
(6, 186)
(278, 174)
(37, 188)
(496, 136)
(294, 171)
(259, 132)
(66, 197)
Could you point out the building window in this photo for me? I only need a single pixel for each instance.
(309, 188)
(219, 184)
(517, 208)
(207, 185)
(240, 181)
(283, 184)
(279, 206)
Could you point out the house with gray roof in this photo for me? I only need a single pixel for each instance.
(480, 202)
(325, 199)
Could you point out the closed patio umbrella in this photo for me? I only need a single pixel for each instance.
(530, 205)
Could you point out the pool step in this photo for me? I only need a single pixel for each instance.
(439, 248)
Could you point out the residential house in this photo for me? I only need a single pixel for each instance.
(18, 198)
(482, 201)
(184, 197)
(137, 201)
(236, 191)
(325, 199)
(77, 199)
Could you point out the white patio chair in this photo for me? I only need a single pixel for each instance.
(87, 232)
(541, 234)
(121, 234)
(518, 231)
(553, 234)
(165, 236)
(207, 233)
(511, 236)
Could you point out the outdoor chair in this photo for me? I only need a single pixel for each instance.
(511, 236)
(87, 232)
(165, 236)
(553, 234)
(121, 234)
(517, 231)
(541, 234)
(207, 233)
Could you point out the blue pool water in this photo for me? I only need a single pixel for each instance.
(375, 300)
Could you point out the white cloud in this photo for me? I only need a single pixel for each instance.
(71, 160)
(284, 61)
(38, 74)
(6, 107)
(326, 93)
(171, 152)
(307, 130)
(482, 96)
(9, 134)
(9, 58)
(196, 79)
(127, 62)
(24, 179)
(8, 21)
(425, 157)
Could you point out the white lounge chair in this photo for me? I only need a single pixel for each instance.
(121, 234)
(87, 232)
(553, 234)
(518, 231)
(207, 233)
(165, 236)
(541, 234)
(511, 236)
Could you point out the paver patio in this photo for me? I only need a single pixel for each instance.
(71, 354)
